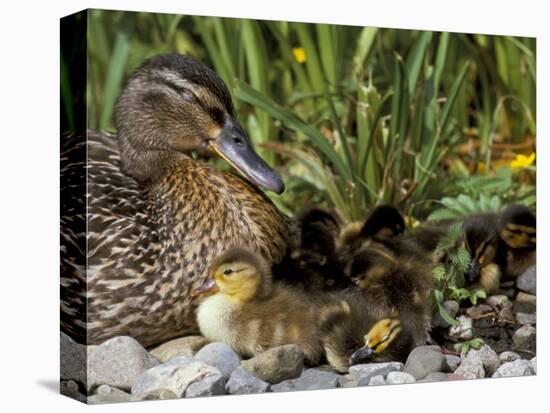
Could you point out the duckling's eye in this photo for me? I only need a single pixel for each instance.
(238, 140)
(228, 271)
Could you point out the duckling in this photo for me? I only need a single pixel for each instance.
(518, 231)
(246, 310)
(395, 287)
(313, 263)
(487, 251)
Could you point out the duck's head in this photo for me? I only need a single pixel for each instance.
(378, 341)
(238, 274)
(383, 223)
(369, 265)
(174, 104)
(518, 227)
(481, 241)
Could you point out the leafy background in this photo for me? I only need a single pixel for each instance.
(439, 124)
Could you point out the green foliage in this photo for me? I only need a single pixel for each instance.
(375, 110)
(464, 205)
(465, 346)
(449, 273)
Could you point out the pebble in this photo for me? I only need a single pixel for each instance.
(463, 330)
(451, 307)
(399, 377)
(471, 367)
(118, 361)
(108, 394)
(533, 362)
(73, 359)
(478, 311)
(489, 358)
(377, 381)
(452, 361)
(362, 373)
(435, 376)
(498, 302)
(515, 369)
(183, 346)
(525, 338)
(179, 377)
(244, 382)
(277, 364)
(507, 356)
(527, 281)
(70, 389)
(424, 360)
(526, 318)
(525, 303)
(311, 379)
(221, 356)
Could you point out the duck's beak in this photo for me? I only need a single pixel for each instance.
(362, 355)
(208, 288)
(233, 145)
(473, 271)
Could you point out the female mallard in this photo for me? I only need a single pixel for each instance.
(156, 215)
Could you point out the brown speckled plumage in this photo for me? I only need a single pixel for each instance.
(152, 235)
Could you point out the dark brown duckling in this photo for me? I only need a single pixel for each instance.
(313, 263)
(518, 231)
(155, 215)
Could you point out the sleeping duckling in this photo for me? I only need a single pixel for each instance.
(313, 264)
(486, 249)
(395, 287)
(246, 310)
(518, 231)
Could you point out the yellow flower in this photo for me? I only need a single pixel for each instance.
(411, 222)
(299, 54)
(522, 161)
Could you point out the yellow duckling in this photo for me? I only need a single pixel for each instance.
(246, 310)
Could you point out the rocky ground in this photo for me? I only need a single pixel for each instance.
(121, 370)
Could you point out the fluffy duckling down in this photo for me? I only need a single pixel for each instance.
(246, 310)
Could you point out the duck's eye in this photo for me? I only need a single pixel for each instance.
(238, 140)
(228, 271)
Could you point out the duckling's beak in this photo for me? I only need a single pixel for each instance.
(473, 271)
(361, 355)
(208, 288)
(233, 145)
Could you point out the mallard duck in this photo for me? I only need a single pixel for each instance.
(247, 310)
(156, 215)
(518, 231)
(313, 263)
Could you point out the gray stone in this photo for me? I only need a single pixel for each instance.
(118, 361)
(471, 367)
(515, 369)
(179, 377)
(277, 364)
(73, 359)
(525, 338)
(451, 307)
(489, 358)
(311, 379)
(435, 376)
(533, 362)
(525, 318)
(498, 302)
(108, 394)
(453, 361)
(528, 280)
(362, 373)
(525, 303)
(352, 383)
(424, 360)
(70, 389)
(463, 330)
(221, 356)
(507, 356)
(377, 381)
(478, 311)
(399, 377)
(183, 346)
(244, 382)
